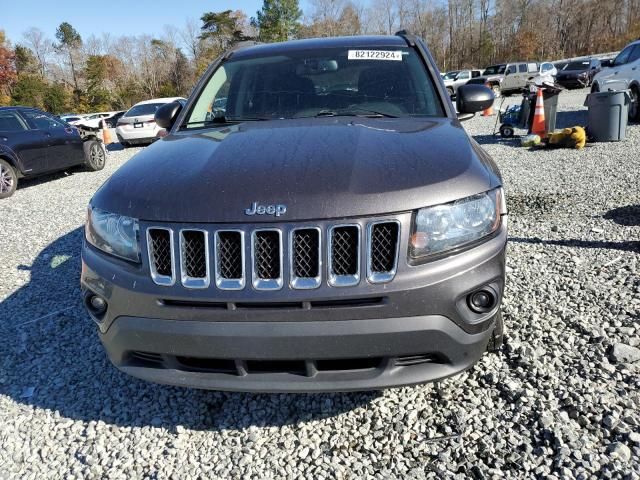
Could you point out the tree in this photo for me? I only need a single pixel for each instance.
(278, 20)
(25, 60)
(29, 90)
(69, 44)
(40, 46)
(7, 66)
(56, 98)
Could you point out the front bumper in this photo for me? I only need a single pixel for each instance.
(416, 329)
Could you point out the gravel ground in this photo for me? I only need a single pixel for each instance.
(560, 401)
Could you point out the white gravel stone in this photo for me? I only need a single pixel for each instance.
(572, 293)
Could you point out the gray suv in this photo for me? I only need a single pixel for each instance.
(508, 78)
(316, 219)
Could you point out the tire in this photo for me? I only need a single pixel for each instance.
(497, 93)
(506, 131)
(497, 336)
(94, 156)
(8, 179)
(595, 88)
(634, 106)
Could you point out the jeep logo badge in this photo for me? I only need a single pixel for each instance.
(256, 209)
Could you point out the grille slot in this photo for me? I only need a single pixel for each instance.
(382, 252)
(194, 258)
(305, 258)
(266, 252)
(160, 246)
(229, 253)
(344, 255)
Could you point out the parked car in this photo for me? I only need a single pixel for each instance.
(112, 121)
(507, 78)
(336, 229)
(547, 69)
(461, 78)
(624, 74)
(94, 120)
(578, 74)
(137, 125)
(33, 143)
(71, 119)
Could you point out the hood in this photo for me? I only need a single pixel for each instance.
(318, 168)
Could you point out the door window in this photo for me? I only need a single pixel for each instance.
(510, 70)
(11, 122)
(635, 54)
(546, 67)
(463, 76)
(623, 56)
(41, 120)
(475, 73)
(522, 68)
(532, 67)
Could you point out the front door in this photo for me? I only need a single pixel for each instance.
(28, 145)
(65, 145)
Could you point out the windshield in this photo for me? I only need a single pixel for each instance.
(577, 66)
(451, 75)
(495, 70)
(144, 109)
(326, 82)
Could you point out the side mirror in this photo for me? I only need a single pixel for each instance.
(166, 115)
(473, 98)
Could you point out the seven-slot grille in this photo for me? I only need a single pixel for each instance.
(303, 256)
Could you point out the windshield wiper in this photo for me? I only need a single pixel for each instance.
(354, 112)
(225, 121)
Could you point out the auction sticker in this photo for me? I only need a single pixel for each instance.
(395, 55)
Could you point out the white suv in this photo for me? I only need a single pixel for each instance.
(138, 125)
(624, 74)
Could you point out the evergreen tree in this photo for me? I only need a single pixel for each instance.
(278, 20)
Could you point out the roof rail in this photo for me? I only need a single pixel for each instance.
(410, 38)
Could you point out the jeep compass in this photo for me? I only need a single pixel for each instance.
(315, 219)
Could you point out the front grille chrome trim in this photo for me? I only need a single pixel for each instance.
(335, 280)
(265, 283)
(194, 282)
(158, 279)
(381, 277)
(229, 283)
(304, 283)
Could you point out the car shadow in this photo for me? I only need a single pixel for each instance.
(51, 358)
(629, 216)
(630, 246)
(25, 183)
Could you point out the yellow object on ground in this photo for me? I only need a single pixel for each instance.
(574, 137)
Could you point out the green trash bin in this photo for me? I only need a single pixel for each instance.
(607, 117)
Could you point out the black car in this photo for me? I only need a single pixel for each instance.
(33, 142)
(330, 227)
(578, 74)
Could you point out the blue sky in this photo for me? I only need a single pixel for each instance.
(118, 17)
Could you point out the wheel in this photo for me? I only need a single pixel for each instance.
(634, 106)
(497, 336)
(506, 131)
(450, 91)
(94, 155)
(496, 90)
(595, 88)
(8, 179)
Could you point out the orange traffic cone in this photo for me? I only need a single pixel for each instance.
(538, 126)
(487, 112)
(106, 136)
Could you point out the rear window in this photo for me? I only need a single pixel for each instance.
(495, 70)
(577, 66)
(388, 81)
(144, 109)
(10, 122)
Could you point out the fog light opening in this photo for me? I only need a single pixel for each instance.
(96, 305)
(482, 301)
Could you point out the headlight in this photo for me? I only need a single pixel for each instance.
(446, 227)
(112, 233)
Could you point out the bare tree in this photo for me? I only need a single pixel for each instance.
(41, 46)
